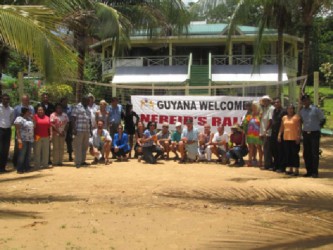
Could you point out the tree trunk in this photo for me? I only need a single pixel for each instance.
(280, 55)
(81, 49)
(306, 53)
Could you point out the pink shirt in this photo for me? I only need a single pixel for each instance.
(58, 121)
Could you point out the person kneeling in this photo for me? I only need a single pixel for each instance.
(120, 145)
(100, 144)
(238, 148)
(219, 144)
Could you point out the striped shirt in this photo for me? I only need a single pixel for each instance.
(82, 116)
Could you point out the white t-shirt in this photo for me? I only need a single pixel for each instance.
(220, 138)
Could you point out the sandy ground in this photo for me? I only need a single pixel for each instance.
(131, 205)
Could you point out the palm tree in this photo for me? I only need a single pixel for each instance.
(32, 30)
(309, 9)
(92, 19)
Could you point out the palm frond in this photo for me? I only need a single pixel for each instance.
(26, 29)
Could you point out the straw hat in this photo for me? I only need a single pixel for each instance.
(237, 127)
(266, 97)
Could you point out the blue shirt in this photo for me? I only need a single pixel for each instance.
(121, 143)
(148, 134)
(311, 118)
(17, 110)
(115, 114)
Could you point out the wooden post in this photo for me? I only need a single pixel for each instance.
(170, 54)
(114, 89)
(20, 83)
(316, 88)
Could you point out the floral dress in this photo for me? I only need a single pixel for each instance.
(251, 124)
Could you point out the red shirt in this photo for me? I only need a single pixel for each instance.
(237, 138)
(42, 126)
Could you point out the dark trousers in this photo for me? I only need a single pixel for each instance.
(121, 152)
(311, 151)
(291, 154)
(277, 152)
(69, 140)
(267, 152)
(235, 153)
(5, 136)
(23, 158)
(148, 153)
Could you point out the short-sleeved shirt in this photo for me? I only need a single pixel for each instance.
(311, 118)
(59, 121)
(176, 136)
(220, 138)
(42, 126)
(6, 116)
(267, 115)
(98, 140)
(83, 117)
(26, 128)
(148, 134)
(115, 114)
(291, 128)
(190, 135)
(160, 135)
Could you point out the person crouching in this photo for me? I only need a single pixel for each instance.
(100, 144)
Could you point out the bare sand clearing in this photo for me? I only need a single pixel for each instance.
(131, 205)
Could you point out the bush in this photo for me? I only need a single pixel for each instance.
(56, 91)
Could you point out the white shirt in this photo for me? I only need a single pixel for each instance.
(220, 138)
(93, 109)
(6, 116)
(267, 115)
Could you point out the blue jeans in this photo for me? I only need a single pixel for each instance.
(24, 155)
(235, 153)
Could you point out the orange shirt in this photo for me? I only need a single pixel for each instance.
(291, 127)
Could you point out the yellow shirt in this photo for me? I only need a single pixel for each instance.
(291, 127)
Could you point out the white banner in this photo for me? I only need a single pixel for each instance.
(214, 110)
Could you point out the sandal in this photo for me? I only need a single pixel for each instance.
(107, 162)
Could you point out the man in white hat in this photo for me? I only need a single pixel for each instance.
(266, 131)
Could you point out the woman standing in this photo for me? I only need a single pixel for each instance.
(43, 134)
(291, 130)
(103, 114)
(128, 118)
(138, 145)
(120, 144)
(252, 130)
(24, 126)
(59, 123)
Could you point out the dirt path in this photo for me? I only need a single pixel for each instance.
(168, 206)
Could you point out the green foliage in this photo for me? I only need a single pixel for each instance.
(327, 70)
(56, 91)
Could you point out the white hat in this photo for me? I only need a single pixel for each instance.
(178, 124)
(266, 97)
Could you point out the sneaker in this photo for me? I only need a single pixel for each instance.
(78, 166)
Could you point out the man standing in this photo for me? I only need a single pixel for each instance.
(6, 121)
(275, 144)
(69, 136)
(25, 102)
(312, 118)
(266, 130)
(81, 130)
(115, 116)
(93, 108)
(48, 107)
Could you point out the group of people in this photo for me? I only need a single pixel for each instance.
(268, 131)
(274, 134)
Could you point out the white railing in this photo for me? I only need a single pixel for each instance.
(289, 61)
(108, 64)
